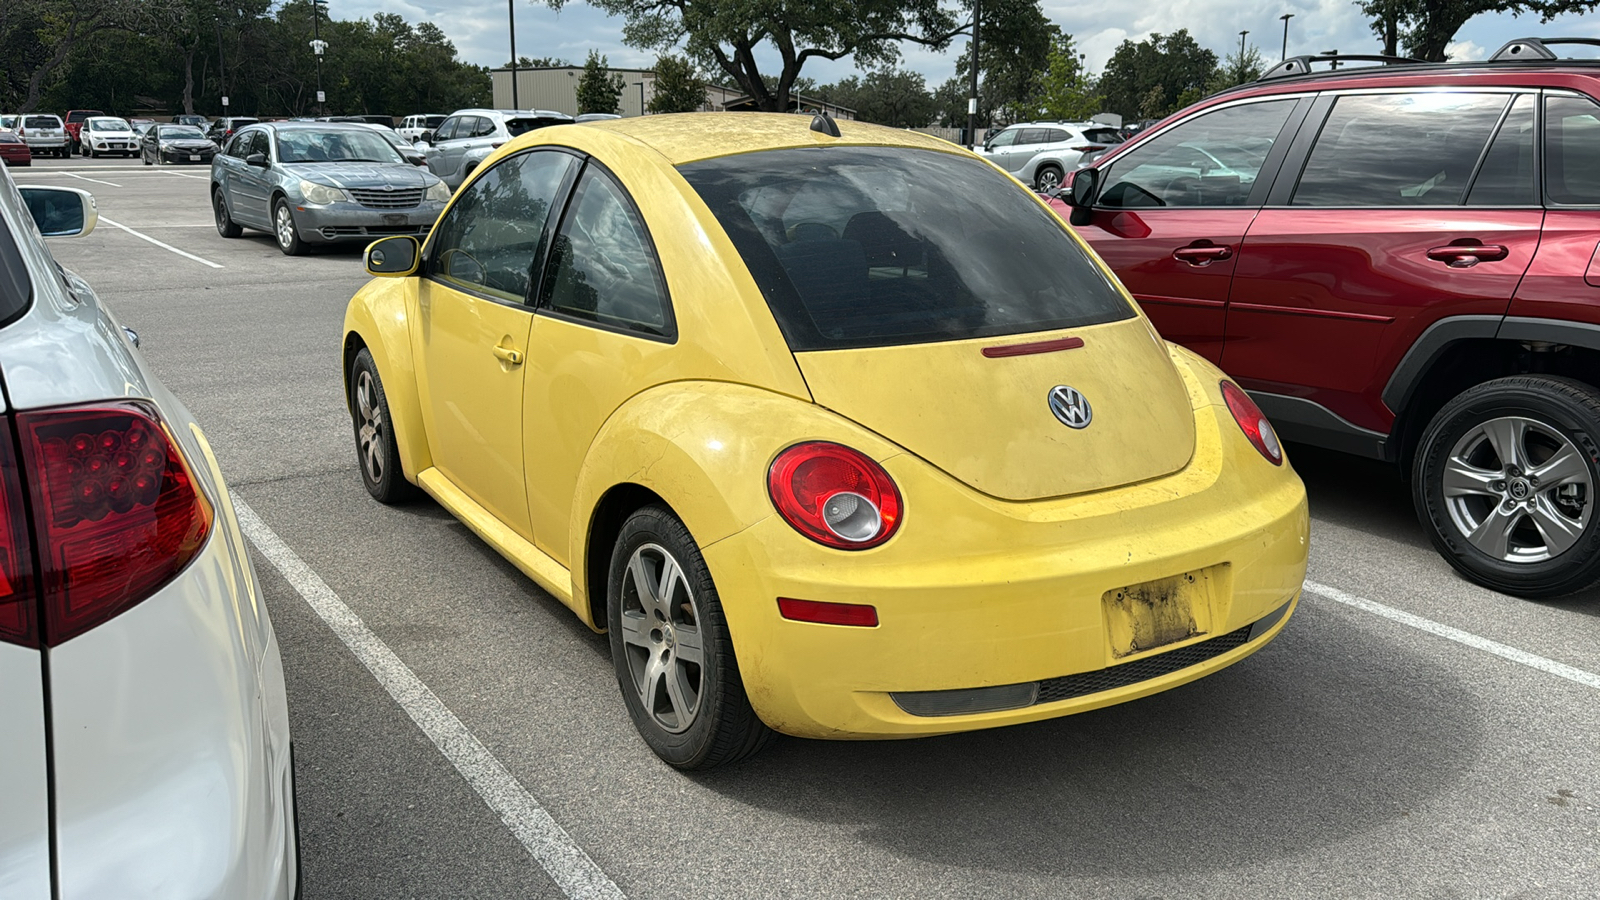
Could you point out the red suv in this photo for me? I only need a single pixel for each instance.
(1402, 262)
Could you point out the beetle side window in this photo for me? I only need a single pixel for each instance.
(1210, 160)
(492, 239)
(1572, 151)
(603, 267)
(1398, 150)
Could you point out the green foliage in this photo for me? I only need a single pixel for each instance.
(1067, 93)
(539, 62)
(1156, 76)
(599, 91)
(893, 97)
(1015, 39)
(1238, 68)
(162, 56)
(1424, 28)
(679, 87)
(725, 34)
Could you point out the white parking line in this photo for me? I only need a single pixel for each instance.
(95, 180)
(1504, 651)
(164, 246)
(555, 850)
(187, 175)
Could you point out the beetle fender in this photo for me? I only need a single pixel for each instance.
(379, 317)
(704, 448)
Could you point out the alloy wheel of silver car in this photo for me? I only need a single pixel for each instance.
(369, 428)
(1518, 490)
(284, 226)
(1049, 179)
(662, 638)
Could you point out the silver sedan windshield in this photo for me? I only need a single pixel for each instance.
(303, 146)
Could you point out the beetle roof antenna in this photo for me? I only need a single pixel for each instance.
(824, 124)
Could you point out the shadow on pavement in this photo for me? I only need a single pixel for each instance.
(1266, 759)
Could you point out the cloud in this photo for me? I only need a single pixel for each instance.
(479, 29)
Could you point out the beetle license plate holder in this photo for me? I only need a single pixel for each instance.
(1152, 614)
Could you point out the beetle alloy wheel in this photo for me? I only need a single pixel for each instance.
(662, 638)
(1518, 490)
(369, 427)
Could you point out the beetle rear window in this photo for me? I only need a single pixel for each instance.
(871, 247)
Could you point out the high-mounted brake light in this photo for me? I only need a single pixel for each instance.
(1253, 422)
(116, 511)
(834, 495)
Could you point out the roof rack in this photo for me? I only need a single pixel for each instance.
(1295, 66)
(1537, 48)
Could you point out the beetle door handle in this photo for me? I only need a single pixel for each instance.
(1200, 253)
(1462, 256)
(509, 355)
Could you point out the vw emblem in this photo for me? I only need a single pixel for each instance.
(1071, 407)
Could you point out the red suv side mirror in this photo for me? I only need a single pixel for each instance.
(1080, 195)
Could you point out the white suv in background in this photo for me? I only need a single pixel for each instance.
(468, 136)
(414, 127)
(1042, 153)
(144, 733)
(44, 133)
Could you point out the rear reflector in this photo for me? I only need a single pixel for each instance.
(116, 510)
(828, 613)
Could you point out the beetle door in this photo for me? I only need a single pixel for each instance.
(471, 342)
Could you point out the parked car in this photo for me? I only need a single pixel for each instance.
(107, 134)
(414, 127)
(166, 144)
(1041, 153)
(384, 121)
(190, 119)
(595, 117)
(13, 151)
(9, 122)
(74, 123)
(320, 183)
(45, 133)
(222, 129)
(407, 150)
(842, 436)
(1380, 257)
(468, 136)
(144, 734)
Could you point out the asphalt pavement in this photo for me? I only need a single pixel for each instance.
(1409, 734)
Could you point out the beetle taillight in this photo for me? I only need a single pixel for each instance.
(116, 511)
(834, 495)
(1253, 422)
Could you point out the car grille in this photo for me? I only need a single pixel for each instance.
(1112, 677)
(378, 199)
(334, 231)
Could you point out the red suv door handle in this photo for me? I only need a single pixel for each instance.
(1201, 253)
(1461, 256)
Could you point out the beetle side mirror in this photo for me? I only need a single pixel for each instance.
(259, 160)
(394, 257)
(61, 211)
(1080, 196)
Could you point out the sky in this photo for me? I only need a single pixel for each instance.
(479, 29)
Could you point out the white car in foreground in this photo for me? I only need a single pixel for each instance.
(144, 735)
(107, 134)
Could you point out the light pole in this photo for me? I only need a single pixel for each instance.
(511, 10)
(1285, 17)
(318, 45)
(1333, 53)
(972, 99)
(1241, 46)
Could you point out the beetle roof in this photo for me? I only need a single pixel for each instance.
(686, 137)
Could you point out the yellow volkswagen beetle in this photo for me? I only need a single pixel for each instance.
(836, 429)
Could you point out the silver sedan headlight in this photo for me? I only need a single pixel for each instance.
(320, 194)
(439, 192)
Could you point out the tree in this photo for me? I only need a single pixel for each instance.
(1426, 27)
(599, 91)
(726, 34)
(1156, 76)
(539, 62)
(892, 97)
(1238, 68)
(678, 87)
(1016, 38)
(67, 23)
(1067, 92)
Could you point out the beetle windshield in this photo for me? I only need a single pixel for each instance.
(871, 246)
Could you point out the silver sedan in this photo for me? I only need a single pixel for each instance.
(309, 183)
